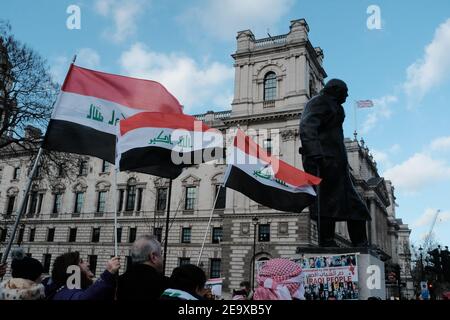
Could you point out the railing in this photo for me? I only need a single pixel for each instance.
(269, 104)
(265, 42)
(220, 115)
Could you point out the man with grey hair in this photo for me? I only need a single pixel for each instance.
(143, 280)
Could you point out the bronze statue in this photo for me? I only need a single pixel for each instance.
(324, 155)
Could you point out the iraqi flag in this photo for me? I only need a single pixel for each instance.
(162, 144)
(90, 105)
(267, 179)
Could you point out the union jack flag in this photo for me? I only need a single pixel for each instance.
(364, 103)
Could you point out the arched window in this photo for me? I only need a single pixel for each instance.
(270, 86)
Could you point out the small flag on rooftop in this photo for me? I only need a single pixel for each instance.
(364, 103)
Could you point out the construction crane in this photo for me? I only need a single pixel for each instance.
(428, 237)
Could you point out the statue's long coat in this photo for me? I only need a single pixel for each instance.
(322, 136)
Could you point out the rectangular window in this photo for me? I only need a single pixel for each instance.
(129, 263)
(161, 199)
(105, 166)
(264, 232)
(57, 203)
(119, 235)
(132, 235)
(3, 233)
(79, 199)
(131, 198)
(83, 168)
(217, 235)
(10, 207)
(214, 270)
(267, 144)
(186, 235)
(139, 199)
(183, 261)
(46, 262)
(50, 234)
(20, 235)
(101, 201)
(121, 194)
(73, 235)
(41, 198)
(33, 203)
(16, 174)
(157, 232)
(221, 199)
(93, 263)
(190, 198)
(95, 235)
(32, 234)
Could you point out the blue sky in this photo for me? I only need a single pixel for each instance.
(404, 67)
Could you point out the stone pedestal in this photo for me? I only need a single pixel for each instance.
(369, 266)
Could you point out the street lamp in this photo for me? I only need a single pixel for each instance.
(421, 263)
(252, 271)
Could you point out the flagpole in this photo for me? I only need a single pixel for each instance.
(116, 209)
(22, 206)
(167, 227)
(356, 119)
(27, 190)
(209, 224)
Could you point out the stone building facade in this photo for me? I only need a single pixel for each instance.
(274, 78)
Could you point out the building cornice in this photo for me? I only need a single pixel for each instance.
(295, 114)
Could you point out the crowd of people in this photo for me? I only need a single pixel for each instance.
(71, 279)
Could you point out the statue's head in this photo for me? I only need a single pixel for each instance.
(337, 89)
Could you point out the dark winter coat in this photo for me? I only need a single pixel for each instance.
(102, 289)
(141, 282)
(323, 148)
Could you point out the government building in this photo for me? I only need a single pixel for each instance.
(274, 79)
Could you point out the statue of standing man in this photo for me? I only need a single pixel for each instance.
(324, 155)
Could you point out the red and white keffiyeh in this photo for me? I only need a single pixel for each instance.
(280, 279)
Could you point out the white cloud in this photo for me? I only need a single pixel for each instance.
(103, 7)
(383, 157)
(440, 144)
(124, 13)
(427, 218)
(381, 110)
(394, 149)
(432, 69)
(86, 57)
(417, 172)
(224, 18)
(89, 58)
(192, 84)
(59, 67)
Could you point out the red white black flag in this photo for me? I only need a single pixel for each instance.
(267, 179)
(162, 143)
(90, 105)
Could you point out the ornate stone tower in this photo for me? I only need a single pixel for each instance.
(276, 74)
(274, 79)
